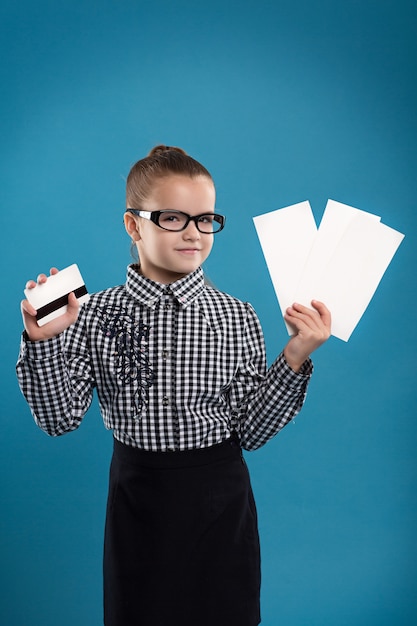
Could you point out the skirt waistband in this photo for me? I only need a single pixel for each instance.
(187, 458)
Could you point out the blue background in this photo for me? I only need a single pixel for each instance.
(283, 101)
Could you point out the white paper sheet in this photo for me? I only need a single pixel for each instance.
(336, 219)
(286, 236)
(340, 264)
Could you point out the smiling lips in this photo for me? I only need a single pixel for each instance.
(188, 250)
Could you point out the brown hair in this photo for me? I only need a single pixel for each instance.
(161, 161)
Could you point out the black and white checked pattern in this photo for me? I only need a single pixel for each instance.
(175, 367)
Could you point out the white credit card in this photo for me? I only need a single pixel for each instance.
(50, 299)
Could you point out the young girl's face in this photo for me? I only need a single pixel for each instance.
(166, 256)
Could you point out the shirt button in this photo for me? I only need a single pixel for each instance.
(165, 354)
(165, 401)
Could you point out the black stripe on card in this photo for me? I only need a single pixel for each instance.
(59, 302)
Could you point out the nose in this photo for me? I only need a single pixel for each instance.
(191, 232)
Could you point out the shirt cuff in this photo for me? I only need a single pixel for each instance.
(287, 375)
(39, 350)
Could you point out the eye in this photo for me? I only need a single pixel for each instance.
(171, 218)
(206, 219)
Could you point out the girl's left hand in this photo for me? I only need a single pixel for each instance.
(312, 330)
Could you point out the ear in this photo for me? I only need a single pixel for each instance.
(132, 226)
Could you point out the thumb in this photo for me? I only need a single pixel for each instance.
(73, 307)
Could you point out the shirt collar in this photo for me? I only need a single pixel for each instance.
(147, 292)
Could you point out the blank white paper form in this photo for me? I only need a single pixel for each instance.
(286, 236)
(340, 264)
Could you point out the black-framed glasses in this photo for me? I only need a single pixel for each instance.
(170, 219)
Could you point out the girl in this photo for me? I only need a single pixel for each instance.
(181, 376)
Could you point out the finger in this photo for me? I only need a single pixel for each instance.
(30, 284)
(73, 302)
(305, 327)
(308, 324)
(26, 307)
(323, 311)
(305, 310)
(320, 313)
(304, 314)
(73, 307)
(42, 278)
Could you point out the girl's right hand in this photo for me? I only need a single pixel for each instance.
(54, 327)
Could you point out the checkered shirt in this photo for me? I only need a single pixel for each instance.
(176, 367)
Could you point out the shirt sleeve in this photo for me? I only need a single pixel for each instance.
(265, 399)
(56, 379)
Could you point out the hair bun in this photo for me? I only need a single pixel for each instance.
(162, 161)
(161, 148)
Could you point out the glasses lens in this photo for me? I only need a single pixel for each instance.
(172, 220)
(176, 221)
(210, 223)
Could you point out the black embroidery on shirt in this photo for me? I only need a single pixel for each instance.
(131, 350)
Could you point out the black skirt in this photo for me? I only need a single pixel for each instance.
(181, 540)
